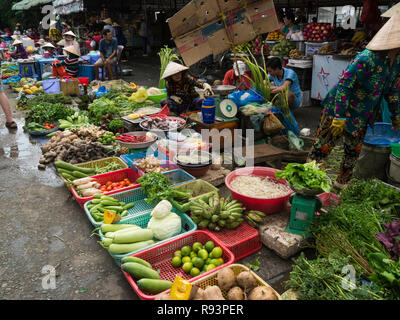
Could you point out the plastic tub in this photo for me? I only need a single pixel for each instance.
(142, 221)
(382, 136)
(160, 257)
(268, 206)
(113, 176)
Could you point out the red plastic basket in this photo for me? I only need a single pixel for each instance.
(160, 258)
(268, 206)
(242, 241)
(113, 176)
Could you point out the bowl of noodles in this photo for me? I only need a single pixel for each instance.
(257, 189)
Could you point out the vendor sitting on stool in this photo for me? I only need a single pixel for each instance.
(49, 51)
(238, 78)
(68, 67)
(20, 52)
(282, 78)
(182, 96)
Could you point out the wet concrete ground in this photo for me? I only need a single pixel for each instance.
(42, 225)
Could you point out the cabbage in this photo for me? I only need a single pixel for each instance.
(162, 209)
(167, 227)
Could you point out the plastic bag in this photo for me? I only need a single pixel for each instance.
(101, 91)
(295, 142)
(242, 98)
(272, 124)
(139, 96)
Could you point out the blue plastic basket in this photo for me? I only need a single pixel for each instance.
(382, 135)
(142, 220)
(138, 196)
(134, 158)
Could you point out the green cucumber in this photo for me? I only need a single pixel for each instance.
(124, 213)
(154, 286)
(98, 195)
(96, 201)
(68, 176)
(139, 271)
(68, 166)
(64, 171)
(113, 208)
(79, 174)
(136, 260)
(107, 198)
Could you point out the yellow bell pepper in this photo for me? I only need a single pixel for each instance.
(180, 289)
(109, 216)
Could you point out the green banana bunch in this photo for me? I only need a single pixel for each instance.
(254, 218)
(217, 213)
(75, 121)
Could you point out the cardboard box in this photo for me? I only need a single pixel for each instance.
(199, 30)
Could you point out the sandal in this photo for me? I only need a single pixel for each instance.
(11, 125)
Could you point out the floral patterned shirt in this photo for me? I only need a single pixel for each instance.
(358, 91)
(184, 89)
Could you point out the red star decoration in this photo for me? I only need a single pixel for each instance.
(324, 73)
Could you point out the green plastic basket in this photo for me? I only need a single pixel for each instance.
(142, 220)
(138, 196)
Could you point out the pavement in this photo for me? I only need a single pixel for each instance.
(43, 229)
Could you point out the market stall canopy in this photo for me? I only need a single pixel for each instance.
(391, 11)
(205, 27)
(27, 4)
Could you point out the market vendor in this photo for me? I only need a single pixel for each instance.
(49, 51)
(283, 78)
(182, 95)
(70, 40)
(290, 29)
(60, 47)
(69, 66)
(355, 101)
(239, 76)
(19, 52)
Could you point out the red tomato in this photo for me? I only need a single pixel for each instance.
(109, 188)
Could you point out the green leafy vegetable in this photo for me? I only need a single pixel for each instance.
(153, 184)
(305, 176)
(387, 273)
(48, 112)
(254, 265)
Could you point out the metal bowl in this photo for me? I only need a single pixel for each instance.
(224, 89)
(193, 165)
(182, 123)
(140, 145)
(127, 72)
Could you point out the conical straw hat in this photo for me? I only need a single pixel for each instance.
(16, 42)
(41, 41)
(389, 13)
(72, 49)
(61, 42)
(388, 37)
(70, 33)
(173, 68)
(48, 45)
(15, 37)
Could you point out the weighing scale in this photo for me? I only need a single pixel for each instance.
(226, 109)
(305, 204)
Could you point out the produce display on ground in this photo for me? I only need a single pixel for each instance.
(106, 208)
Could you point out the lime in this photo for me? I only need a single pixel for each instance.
(185, 251)
(198, 262)
(193, 254)
(215, 262)
(217, 252)
(176, 262)
(186, 259)
(178, 253)
(187, 267)
(203, 254)
(220, 262)
(197, 246)
(208, 261)
(194, 272)
(209, 246)
(210, 267)
(204, 268)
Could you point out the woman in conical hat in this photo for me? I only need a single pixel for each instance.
(182, 95)
(49, 50)
(355, 101)
(68, 67)
(70, 40)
